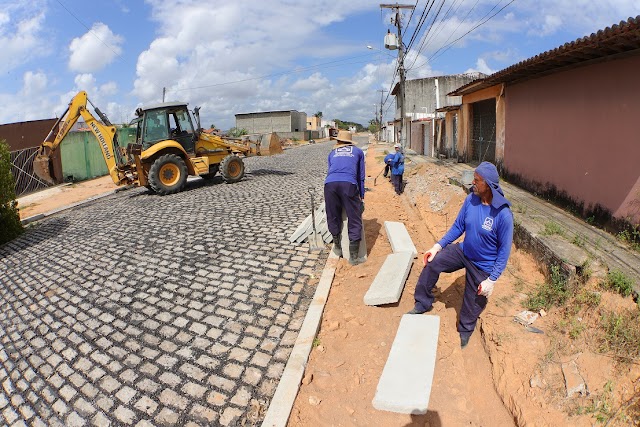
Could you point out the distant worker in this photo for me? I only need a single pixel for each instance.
(487, 224)
(397, 169)
(387, 163)
(344, 189)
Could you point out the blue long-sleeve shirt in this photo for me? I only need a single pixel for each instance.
(346, 164)
(397, 164)
(488, 233)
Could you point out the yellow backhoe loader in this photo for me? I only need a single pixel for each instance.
(167, 147)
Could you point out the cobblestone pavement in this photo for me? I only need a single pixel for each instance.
(147, 310)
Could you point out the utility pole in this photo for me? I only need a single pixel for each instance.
(164, 92)
(398, 23)
(380, 121)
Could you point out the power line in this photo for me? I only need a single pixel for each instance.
(444, 48)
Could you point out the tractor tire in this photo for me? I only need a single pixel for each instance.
(213, 171)
(168, 174)
(232, 169)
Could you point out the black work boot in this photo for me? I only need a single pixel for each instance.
(354, 248)
(337, 244)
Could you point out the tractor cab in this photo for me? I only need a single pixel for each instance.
(166, 121)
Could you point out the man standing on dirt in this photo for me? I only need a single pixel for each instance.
(487, 224)
(397, 169)
(344, 189)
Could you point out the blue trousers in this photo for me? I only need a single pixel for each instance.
(448, 260)
(396, 180)
(339, 195)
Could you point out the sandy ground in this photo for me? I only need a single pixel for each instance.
(63, 195)
(505, 376)
(502, 378)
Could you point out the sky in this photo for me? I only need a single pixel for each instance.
(241, 56)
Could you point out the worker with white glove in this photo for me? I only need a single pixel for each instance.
(486, 221)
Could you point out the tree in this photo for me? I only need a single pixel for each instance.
(10, 225)
(318, 114)
(235, 132)
(212, 126)
(374, 126)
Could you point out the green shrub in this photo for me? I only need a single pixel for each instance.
(552, 293)
(10, 225)
(617, 281)
(621, 333)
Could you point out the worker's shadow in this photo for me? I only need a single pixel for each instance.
(431, 418)
(34, 234)
(452, 295)
(372, 232)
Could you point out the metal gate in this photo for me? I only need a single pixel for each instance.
(483, 142)
(22, 170)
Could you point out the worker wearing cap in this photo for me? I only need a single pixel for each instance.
(487, 224)
(387, 164)
(344, 189)
(397, 169)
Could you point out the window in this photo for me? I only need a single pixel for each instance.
(155, 126)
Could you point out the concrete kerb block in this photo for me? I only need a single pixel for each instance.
(282, 402)
(389, 282)
(399, 238)
(407, 377)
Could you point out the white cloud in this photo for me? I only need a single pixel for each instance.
(21, 37)
(216, 55)
(481, 66)
(95, 49)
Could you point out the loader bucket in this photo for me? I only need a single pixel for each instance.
(42, 168)
(270, 144)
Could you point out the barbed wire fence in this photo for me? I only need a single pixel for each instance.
(22, 170)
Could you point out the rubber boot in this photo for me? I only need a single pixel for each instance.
(354, 248)
(337, 245)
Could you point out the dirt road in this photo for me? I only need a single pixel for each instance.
(505, 376)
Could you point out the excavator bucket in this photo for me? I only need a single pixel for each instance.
(42, 168)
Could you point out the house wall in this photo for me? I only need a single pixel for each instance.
(465, 122)
(298, 121)
(575, 134)
(279, 121)
(423, 96)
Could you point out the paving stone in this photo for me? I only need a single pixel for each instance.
(130, 313)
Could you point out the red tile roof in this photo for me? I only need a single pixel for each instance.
(616, 41)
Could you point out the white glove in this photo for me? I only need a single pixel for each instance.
(486, 287)
(431, 253)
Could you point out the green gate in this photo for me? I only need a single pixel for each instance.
(81, 156)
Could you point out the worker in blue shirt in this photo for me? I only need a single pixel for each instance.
(487, 224)
(397, 169)
(344, 189)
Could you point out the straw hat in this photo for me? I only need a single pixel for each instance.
(344, 136)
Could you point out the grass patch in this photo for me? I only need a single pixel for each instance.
(551, 293)
(618, 282)
(579, 240)
(551, 228)
(316, 342)
(589, 298)
(601, 405)
(621, 333)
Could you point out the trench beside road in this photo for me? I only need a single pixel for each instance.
(172, 309)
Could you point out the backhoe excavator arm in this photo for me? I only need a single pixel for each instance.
(105, 133)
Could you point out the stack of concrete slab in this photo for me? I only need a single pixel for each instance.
(389, 282)
(305, 229)
(407, 377)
